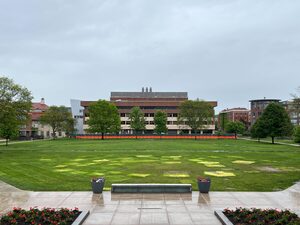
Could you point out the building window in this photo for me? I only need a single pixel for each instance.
(59, 133)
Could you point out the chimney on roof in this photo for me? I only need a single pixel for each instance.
(143, 89)
(42, 101)
(146, 89)
(150, 89)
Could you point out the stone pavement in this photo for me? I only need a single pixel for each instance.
(162, 209)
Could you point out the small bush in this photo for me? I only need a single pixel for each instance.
(297, 134)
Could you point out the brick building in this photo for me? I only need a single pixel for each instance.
(233, 115)
(258, 106)
(34, 129)
(149, 102)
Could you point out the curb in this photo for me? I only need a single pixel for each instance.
(223, 219)
(81, 218)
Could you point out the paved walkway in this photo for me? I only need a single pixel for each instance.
(265, 141)
(162, 209)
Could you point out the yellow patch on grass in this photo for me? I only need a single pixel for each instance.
(219, 174)
(176, 174)
(138, 175)
(245, 162)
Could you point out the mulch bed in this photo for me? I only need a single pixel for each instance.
(242, 216)
(34, 216)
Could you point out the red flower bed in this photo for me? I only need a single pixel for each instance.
(242, 216)
(34, 216)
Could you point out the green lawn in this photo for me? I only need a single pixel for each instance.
(233, 165)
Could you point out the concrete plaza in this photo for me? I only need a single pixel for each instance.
(160, 209)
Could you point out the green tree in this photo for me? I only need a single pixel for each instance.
(223, 121)
(258, 130)
(15, 106)
(59, 118)
(103, 118)
(274, 122)
(137, 120)
(297, 134)
(160, 121)
(295, 107)
(235, 127)
(70, 126)
(195, 114)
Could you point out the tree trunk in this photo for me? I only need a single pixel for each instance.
(272, 140)
(54, 133)
(235, 135)
(102, 136)
(6, 142)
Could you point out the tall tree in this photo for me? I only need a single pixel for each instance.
(103, 118)
(258, 130)
(137, 120)
(295, 107)
(235, 127)
(223, 120)
(195, 114)
(274, 122)
(58, 117)
(160, 121)
(15, 105)
(297, 134)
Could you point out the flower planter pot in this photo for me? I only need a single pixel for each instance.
(204, 185)
(97, 185)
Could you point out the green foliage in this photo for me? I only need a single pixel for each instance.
(196, 113)
(235, 127)
(15, 105)
(274, 122)
(103, 118)
(137, 120)
(295, 108)
(59, 118)
(223, 120)
(160, 121)
(297, 134)
(258, 129)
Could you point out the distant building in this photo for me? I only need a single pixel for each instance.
(34, 129)
(77, 113)
(292, 111)
(258, 106)
(233, 115)
(149, 102)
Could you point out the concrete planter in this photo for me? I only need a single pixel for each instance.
(98, 185)
(204, 184)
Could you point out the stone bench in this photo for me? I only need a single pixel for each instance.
(151, 188)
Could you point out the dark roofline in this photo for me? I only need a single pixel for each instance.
(149, 94)
(265, 99)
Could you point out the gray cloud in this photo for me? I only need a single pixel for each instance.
(229, 51)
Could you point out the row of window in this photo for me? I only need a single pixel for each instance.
(149, 114)
(168, 123)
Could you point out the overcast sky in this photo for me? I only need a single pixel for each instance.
(230, 51)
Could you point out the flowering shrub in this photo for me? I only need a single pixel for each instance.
(34, 216)
(242, 216)
(203, 179)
